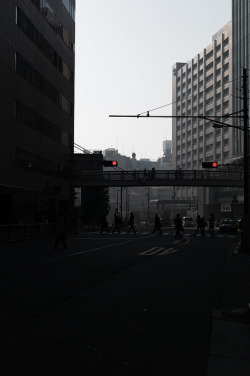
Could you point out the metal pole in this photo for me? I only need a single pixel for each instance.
(245, 142)
(121, 203)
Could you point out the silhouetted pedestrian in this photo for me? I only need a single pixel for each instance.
(178, 226)
(203, 225)
(157, 225)
(199, 225)
(211, 225)
(116, 223)
(153, 173)
(131, 223)
(61, 232)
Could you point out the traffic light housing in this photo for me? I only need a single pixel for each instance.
(209, 164)
(110, 163)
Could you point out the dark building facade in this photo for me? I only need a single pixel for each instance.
(37, 107)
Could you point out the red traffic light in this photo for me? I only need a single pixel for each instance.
(209, 164)
(110, 163)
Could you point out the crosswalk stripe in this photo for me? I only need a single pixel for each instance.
(167, 251)
(151, 251)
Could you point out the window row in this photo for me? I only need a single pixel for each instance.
(70, 8)
(54, 22)
(26, 116)
(40, 42)
(35, 163)
(25, 70)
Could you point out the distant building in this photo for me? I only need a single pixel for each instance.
(203, 87)
(37, 107)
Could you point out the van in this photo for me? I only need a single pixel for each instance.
(187, 222)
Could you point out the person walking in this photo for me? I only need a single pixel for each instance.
(61, 232)
(131, 223)
(211, 225)
(199, 225)
(157, 224)
(116, 221)
(203, 225)
(178, 226)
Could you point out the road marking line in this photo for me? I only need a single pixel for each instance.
(151, 251)
(167, 251)
(94, 249)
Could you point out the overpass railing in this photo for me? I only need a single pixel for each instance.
(158, 177)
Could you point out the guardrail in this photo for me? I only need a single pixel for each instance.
(160, 177)
(17, 232)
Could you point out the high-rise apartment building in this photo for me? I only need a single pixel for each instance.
(37, 107)
(202, 87)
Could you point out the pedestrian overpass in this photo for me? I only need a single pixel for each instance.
(159, 178)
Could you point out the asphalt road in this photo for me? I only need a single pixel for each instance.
(110, 304)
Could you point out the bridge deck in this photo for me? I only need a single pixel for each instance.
(141, 178)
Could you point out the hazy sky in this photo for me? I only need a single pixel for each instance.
(125, 50)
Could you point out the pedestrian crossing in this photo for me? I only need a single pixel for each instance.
(159, 251)
(169, 233)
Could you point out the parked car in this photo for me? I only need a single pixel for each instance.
(228, 225)
(187, 222)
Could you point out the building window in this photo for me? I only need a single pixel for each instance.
(218, 60)
(209, 66)
(26, 116)
(54, 22)
(209, 136)
(70, 8)
(218, 72)
(25, 70)
(218, 144)
(209, 89)
(218, 48)
(217, 132)
(226, 67)
(209, 78)
(218, 84)
(42, 44)
(209, 54)
(209, 112)
(218, 108)
(225, 54)
(217, 97)
(209, 147)
(35, 163)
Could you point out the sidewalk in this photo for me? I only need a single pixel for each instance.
(229, 352)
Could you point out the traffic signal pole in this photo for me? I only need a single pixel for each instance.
(246, 222)
(246, 163)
